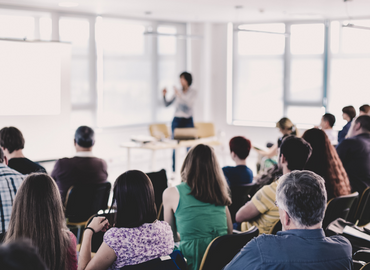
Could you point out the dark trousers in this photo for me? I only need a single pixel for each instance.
(180, 122)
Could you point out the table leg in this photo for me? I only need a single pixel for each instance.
(153, 161)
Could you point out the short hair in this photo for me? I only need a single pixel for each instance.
(1, 156)
(19, 255)
(296, 151)
(240, 146)
(350, 111)
(133, 194)
(302, 195)
(364, 121)
(365, 108)
(85, 136)
(187, 76)
(329, 118)
(11, 138)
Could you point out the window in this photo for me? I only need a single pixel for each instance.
(283, 74)
(350, 62)
(126, 94)
(170, 66)
(259, 70)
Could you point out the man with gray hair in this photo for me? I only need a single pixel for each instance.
(301, 198)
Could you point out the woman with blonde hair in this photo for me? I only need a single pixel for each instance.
(197, 208)
(37, 214)
(286, 127)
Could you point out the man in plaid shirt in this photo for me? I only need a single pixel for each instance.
(10, 180)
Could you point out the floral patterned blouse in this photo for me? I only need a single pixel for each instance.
(140, 244)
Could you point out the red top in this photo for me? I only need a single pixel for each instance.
(72, 254)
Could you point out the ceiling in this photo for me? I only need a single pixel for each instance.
(209, 10)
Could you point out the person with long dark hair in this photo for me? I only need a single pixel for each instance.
(37, 214)
(325, 162)
(136, 236)
(184, 100)
(197, 208)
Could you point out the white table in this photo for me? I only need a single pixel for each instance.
(176, 145)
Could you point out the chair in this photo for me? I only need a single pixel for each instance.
(84, 201)
(277, 226)
(239, 196)
(224, 248)
(366, 266)
(357, 265)
(159, 181)
(205, 130)
(338, 208)
(175, 261)
(159, 131)
(97, 238)
(362, 255)
(362, 216)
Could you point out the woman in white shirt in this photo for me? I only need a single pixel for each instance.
(184, 101)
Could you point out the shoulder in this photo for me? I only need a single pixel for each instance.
(227, 169)
(341, 241)
(114, 236)
(171, 194)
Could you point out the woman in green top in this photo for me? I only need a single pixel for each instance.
(196, 209)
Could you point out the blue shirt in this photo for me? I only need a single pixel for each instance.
(238, 175)
(343, 133)
(294, 249)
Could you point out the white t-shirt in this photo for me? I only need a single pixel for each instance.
(332, 135)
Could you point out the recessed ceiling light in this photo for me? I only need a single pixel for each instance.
(68, 4)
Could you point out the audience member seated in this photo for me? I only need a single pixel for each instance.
(364, 110)
(38, 215)
(286, 127)
(196, 209)
(136, 235)
(354, 153)
(349, 113)
(261, 210)
(301, 198)
(12, 143)
(20, 255)
(10, 180)
(325, 162)
(239, 151)
(83, 168)
(327, 123)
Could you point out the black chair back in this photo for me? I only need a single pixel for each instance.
(363, 209)
(224, 248)
(175, 262)
(362, 255)
(84, 201)
(159, 181)
(338, 208)
(239, 196)
(97, 238)
(276, 227)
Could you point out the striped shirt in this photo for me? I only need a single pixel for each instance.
(264, 201)
(10, 180)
